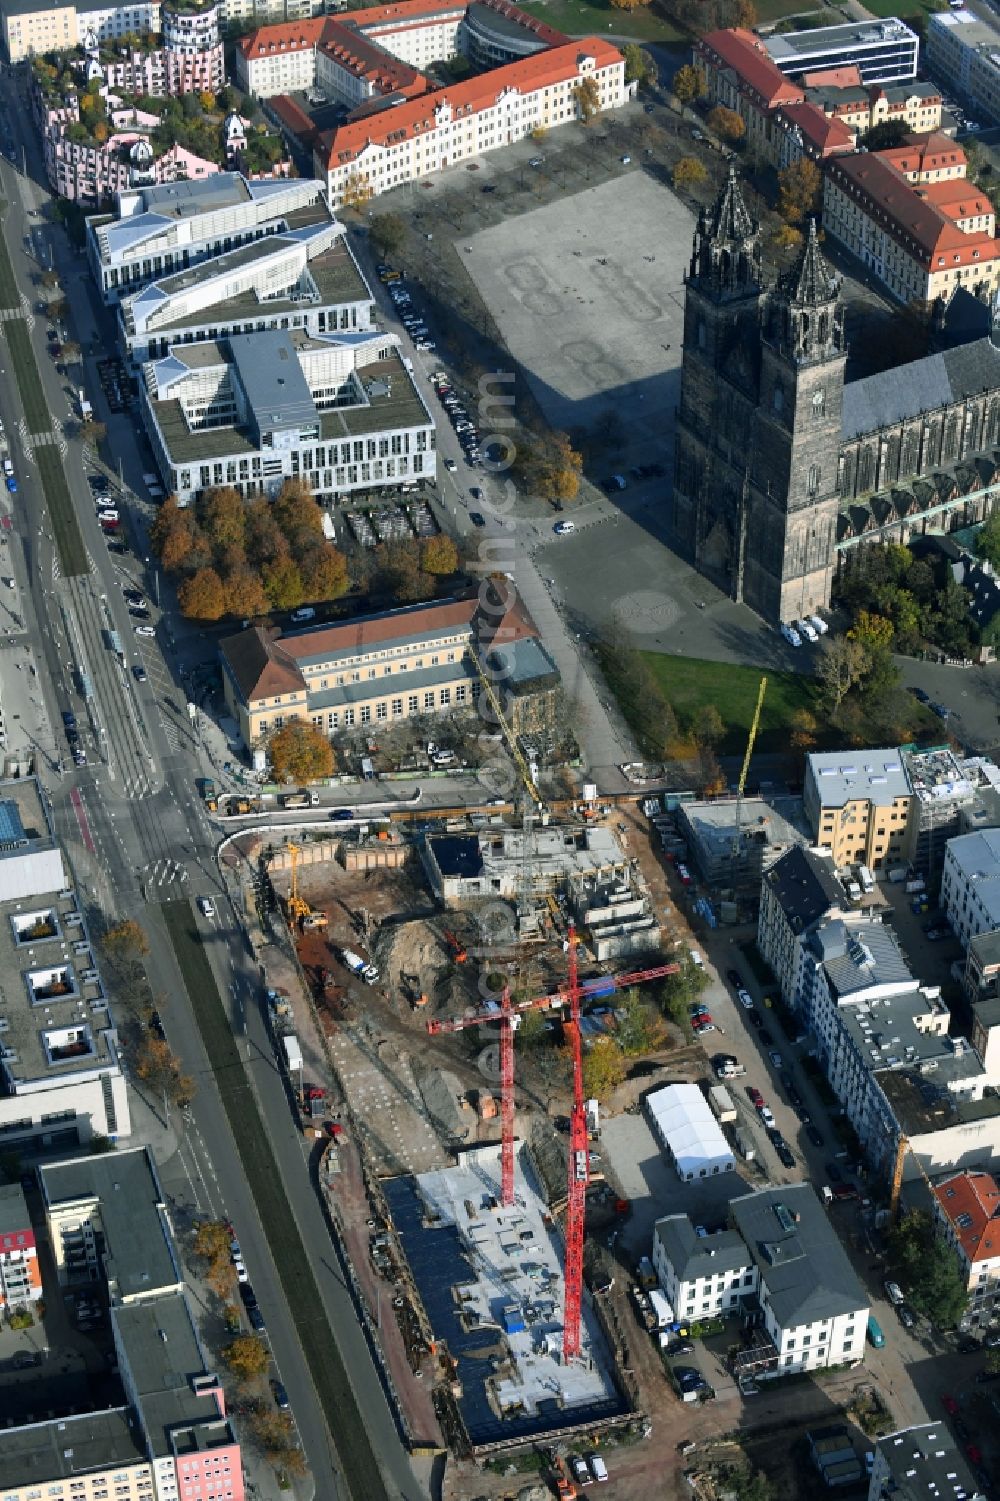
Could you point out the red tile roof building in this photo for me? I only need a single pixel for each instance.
(932, 157)
(381, 668)
(400, 128)
(909, 242)
(967, 1206)
(783, 119)
(466, 119)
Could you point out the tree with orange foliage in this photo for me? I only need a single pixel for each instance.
(202, 596)
(439, 555)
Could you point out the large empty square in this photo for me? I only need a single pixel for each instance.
(588, 295)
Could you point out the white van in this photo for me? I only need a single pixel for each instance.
(867, 879)
(791, 635)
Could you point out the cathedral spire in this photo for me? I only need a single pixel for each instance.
(810, 282)
(730, 216)
(806, 319)
(725, 260)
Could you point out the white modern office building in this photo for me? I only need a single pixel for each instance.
(341, 413)
(781, 1266)
(158, 230)
(882, 51)
(301, 280)
(963, 53)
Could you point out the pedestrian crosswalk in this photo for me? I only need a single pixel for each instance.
(166, 872)
(171, 734)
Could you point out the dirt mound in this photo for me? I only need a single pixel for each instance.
(412, 957)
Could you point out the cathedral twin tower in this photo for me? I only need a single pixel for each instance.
(758, 433)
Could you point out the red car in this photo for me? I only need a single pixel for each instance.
(755, 1097)
(975, 1453)
(950, 1405)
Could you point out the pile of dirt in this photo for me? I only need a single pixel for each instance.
(412, 956)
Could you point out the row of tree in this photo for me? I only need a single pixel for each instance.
(246, 1356)
(245, 558)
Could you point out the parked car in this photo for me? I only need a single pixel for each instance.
(783, 1152)
(815, 1136)
(256, 1319)
(745, 999)
(581, 1474)
(145, 630)
(280, 1396)
(766, 1115)
(563, 528)
(906, 1316)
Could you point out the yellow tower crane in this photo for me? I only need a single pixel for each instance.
(508, 734)
(754, 726)
(298, 908)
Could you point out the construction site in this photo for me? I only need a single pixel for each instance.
(461, 1192)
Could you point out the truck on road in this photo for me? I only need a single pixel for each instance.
(300, 799)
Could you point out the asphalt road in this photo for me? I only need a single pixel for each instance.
(134, 825)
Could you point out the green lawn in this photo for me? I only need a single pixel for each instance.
(328, 1372)
(907, 9)
(775, 10)
(688, 684)
(597, 18)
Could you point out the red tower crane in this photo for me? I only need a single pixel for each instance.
(579, 1172)
(579, 1161)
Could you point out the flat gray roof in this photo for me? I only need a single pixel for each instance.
(181, 200)
(397, 406)
(139, 1256)
(334, 273)
(165, 1358)
(799, 1255)
(925, 1461)
(886, 1037)
(877, 776)
(68, 1448)
(784, 46)
(859, 955)
(277, 392)
(53, 999)
(14, 1214)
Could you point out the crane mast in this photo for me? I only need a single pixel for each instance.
(579, 1152)
(579, 1172)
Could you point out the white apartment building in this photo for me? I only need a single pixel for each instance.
(61, 1076)
(307, 280)
(279, 59)
(301, 55)
(340, 412)
(782, 1265)
(168, 227)
(970, 883)
(30, 27)
(703, 1277)
(800, 891)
